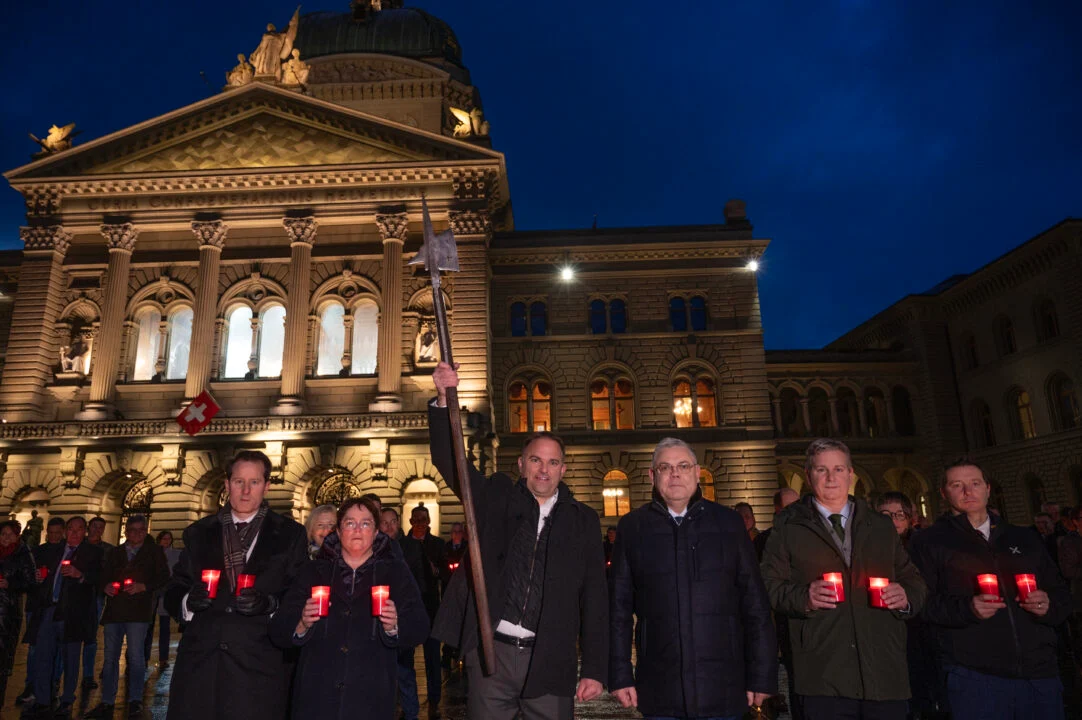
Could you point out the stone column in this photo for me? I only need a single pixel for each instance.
(120, 239)
(302, 235)
(32, 351)
(834, 416)
(253, 356)
(393, 230)
(779, 425)
(163, 349)
(807, 416)
(347, 355)
(863, 415)
(211, 238)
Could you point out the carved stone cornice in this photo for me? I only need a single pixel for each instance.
(470, 222)
(120, 236)
(210, 233)
(50, 237)
(393, 226)
(301, 229)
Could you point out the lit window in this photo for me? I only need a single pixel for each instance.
(694, 403)
(180, 342)
(146, 348)
(272, 339)
(1021, 410)
(529, 406)
(332, 340)
(238, 345)
(612, 404)
(365, 338)
(1064, 402)
(706, 484)
(616, 493)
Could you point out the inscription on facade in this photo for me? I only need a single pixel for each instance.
(252, 199)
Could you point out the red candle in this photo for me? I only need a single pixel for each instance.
(1026, 584)
(128, 581)
(454, 566)
(116, 587)
(322, 594)
(875, 591)
(380, 593)
(211, 577)
(43, 572)
(65, 562)
(989, 584)
(835, 579)
(244, 582)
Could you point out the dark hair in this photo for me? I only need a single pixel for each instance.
(390, 510)
(95, 519)
(73, 518)
(610, 528)
(744, 506)
(963, 461)
(544, 435)
(135, 519)
(421, 508)
(359, 502)
(899, 497)
(252, 456)
(1037, 515)
(55, 520)
(14, 525)
(163, 533)
(374, 498)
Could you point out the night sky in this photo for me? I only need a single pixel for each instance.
(882, 146)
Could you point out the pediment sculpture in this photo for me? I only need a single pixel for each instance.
(470, 122)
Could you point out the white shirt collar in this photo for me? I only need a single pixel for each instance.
(676, 515)
(985, 528)
(845, 512)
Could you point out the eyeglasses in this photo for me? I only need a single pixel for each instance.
(665, 468)
(354, 526)
(900, 515)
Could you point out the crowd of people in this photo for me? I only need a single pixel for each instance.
(684, 609)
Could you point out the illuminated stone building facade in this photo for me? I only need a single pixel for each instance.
(255, 243)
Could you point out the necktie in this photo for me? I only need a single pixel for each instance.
(839, 529)
(240, 526)
(68, 552)
(678, 519)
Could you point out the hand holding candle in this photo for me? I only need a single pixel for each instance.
(43, 572)
(876, 585)
(823, 595)
(112, 589)
(1030, 598)
(210, 579)
(987, 602)
(244, 582)
(835, 581)
(380, 595)
(1026, 584)
(322, 595)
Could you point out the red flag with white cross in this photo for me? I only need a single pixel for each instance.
(198, 415)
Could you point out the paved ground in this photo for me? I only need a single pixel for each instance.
(156, 700)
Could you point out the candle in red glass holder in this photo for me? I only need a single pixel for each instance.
(128, 581)
(116, 587)
(245, 581)
(43, 572)
(1026, 584)
(989, 584)
(835, 579)
(211, 577)
(322, 593)
(380, 594)
(875, 591)
(65, 562)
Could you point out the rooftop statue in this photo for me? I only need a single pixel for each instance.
(470, 122)
(59, 138)
(274, 48)
(242, 74)
(295, 70)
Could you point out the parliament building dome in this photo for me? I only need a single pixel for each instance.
(404, 32)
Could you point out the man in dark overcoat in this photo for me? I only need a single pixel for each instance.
(226, 666)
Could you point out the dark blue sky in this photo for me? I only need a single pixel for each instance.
(882, 146)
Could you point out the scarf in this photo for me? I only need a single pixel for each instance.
(237, 543)
(6, 552)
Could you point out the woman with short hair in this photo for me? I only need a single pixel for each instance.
(321, 523)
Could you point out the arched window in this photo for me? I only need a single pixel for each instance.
(694, 402)
(365, 338)
(984, 431)
(1047, 320)
(1020, 410)
(698, 313)
(678, 314)
(616, 493)
(1035, 495)
(529, 405)
(518, 319)
(539, 319)
(706, 484)
(598, 320)
(148, 323)
(848, 413)
(238, 343)
(336, 489)
(138, 500)
(180, 343)
(875, 412)
(970, 358)
(612, 403)
(1003, 329)
(792, 414)
(903, 411)
(618, 316)
(1064, 403)
(332, 340)
(272, 340)
(819, 413)
(422, 492)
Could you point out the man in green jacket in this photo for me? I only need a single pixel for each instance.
(849, 656)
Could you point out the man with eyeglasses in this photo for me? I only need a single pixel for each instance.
(545, 577)
(226, 666)
(849, 654)
(686, 569)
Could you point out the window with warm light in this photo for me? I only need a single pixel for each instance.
(148, 323)
(332, 340)
(1064, 403)
(1020, 410)
(180, 343)
(616, 493)
(529, 406)
(612, 403)
(694, 402)
(365, 344)
(706, 484)
(238, 342)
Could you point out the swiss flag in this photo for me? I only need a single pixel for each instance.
(198, 415)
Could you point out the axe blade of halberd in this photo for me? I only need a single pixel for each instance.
(438, 252)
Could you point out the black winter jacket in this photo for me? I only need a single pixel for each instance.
(705, 634)
(348, 664)
(574, 607)
(78, 603)
(21, 576)
(1012, 643)
(148, 567)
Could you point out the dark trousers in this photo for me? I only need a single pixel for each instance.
(163, 639)
(50, 638)
(499, 696)
(822, 707)
(90, 649)
(977, 696)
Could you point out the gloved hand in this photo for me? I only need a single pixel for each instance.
(253, 602)
(198, 598)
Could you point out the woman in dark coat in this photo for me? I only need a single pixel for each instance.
(348, 666)
(17, 576)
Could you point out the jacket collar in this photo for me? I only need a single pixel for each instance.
(563, 492)
(960, 521)
(695, 505)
